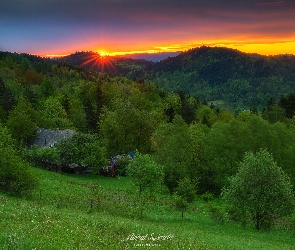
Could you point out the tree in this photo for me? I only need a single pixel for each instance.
(173, 106)
(287, 103)
(92, 100)
(225, 146)
(170, 142)
(184, 194)
(53, 114)
(33, 77)
(196, 154)
(261, 189)
(21, 122)
(76, 114)
(206, 115)
(126, 127)
(146, 174)
(46, 88)
(274, 113)
(189, 106)
(15, 176)
(7, 99)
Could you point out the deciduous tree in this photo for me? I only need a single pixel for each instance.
(22, 121)
(15, 176)
(171, 144)
(261, 189)
(146, 174)
(185, 193)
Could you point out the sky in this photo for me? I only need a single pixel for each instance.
(61, 27)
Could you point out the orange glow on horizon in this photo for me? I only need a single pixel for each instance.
(262, 46)
(268, 49)
(55, 56)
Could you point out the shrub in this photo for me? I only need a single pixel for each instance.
(216, 214)
(37, 155)
(180, 204)
(82, 149)
(207, 197)
(286, 224)
(186, 189)
(238, 216)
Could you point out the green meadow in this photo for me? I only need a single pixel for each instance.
(94, 212)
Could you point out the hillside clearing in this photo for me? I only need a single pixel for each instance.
(63, 214)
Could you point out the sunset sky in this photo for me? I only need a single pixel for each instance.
(59, 27)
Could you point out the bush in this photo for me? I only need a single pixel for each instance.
(237, 216)
(16, 179)
(82, 149)
(216, 214)
(286, 224)
(186, 189)
(38, 155)
(180, 204)
(207, 197)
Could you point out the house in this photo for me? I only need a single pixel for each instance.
(48, 138)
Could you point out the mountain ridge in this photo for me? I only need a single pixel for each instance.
(237, 78)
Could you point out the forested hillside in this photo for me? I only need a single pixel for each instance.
(236, 79)
(185, 135)
(111, 65)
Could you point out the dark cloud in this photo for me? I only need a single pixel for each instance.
(93, 11)
(62, 21)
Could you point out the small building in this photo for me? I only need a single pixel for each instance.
(48, 138)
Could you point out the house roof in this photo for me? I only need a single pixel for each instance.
(48, 138)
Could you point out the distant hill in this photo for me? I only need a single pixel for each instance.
(154, 57)
(233, 78)
(209, 73)
(239, 79)
(112, 65)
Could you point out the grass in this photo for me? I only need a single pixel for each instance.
(95, 212)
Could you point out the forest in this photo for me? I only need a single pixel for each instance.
(186, 134)
(233, 78)
(198, 143)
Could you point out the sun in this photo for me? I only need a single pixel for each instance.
(100, 61)
(102, 53)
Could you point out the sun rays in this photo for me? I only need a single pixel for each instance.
(99, 61)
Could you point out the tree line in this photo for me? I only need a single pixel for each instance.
(238, 79)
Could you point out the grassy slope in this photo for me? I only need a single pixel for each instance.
(59, 216)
